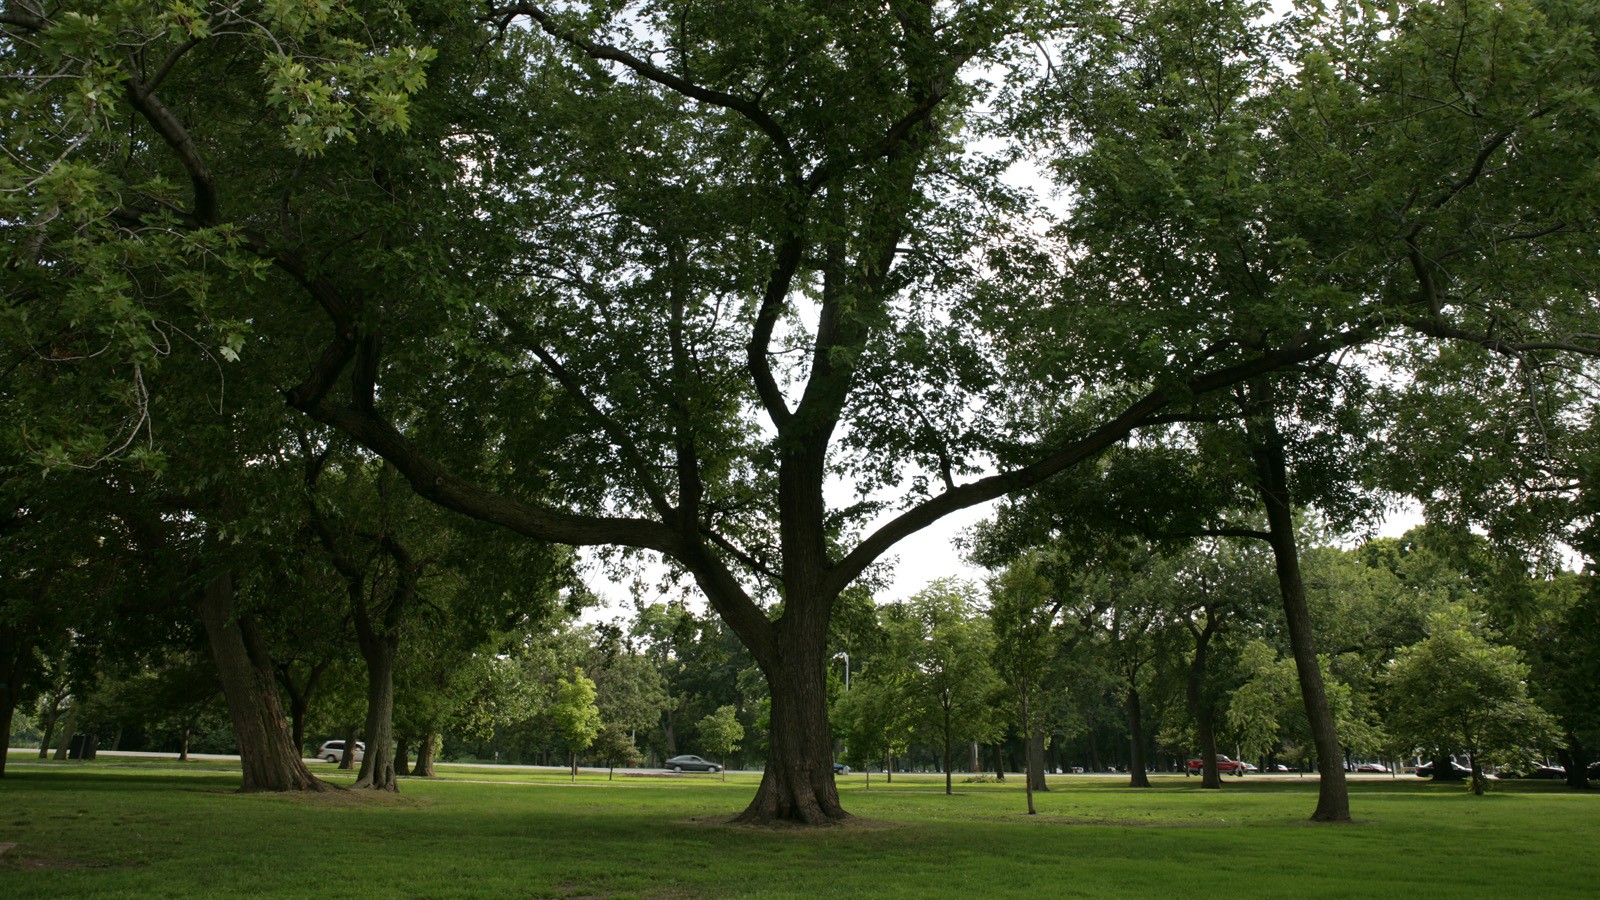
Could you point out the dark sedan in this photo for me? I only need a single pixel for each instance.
(691, 764)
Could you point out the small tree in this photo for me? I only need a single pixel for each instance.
(575, 713)
(875, 716)
(616, 747)
(721, 733)
(1021, 610)
(954, 681)
(1456, 690)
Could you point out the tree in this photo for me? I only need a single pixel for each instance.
(876, 718)
(953, 682)
(575, 715)
(616, 747)
(721, 733)
(636, 329)
(1457, 691)
(1022, 612)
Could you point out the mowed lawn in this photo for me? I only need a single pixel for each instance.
(158, 829)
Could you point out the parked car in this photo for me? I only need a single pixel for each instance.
(1547, 772)
(1594, 770)
(691, 764)
(1279, 767)
(841, 769)
(1225, 765)
(1372, 767)
(333, 751)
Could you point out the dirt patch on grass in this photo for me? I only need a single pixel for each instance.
(10, 861)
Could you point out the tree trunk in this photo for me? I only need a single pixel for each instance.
(1444, 767)
(377, 764)
(797, 785)
(15, 654)
(52, 716)
(1272, 472)
(425, 752)
(1036, 766)
(183, 743)
(347, 759)
(268, 761)
(67, 728)
(1204, 718)
(999, 764)
(402, 758)
(1575, 759)
(1480, 784)
(949, 753)
(1137, 776)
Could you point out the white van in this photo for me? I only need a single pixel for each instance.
(333, 751)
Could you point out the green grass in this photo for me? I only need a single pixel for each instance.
(154, 828)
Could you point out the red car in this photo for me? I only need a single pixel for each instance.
(1225, 766)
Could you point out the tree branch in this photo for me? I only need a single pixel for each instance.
(751, 111)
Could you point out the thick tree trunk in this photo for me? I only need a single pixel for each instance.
(183, 743)
(1272, 472)
(377, 764)
(15, 655)
(68, 727)
(797, 785)
(1201, 709)
(1137, 777)
(402, 756)
(999, 764)
(268, 761)
(972, 758)
(7, 710)
(1444, 767)
(425, 752)
(1036, 780)
(1575, 759)
(347, 759)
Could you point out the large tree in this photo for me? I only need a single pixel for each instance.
(689, 263)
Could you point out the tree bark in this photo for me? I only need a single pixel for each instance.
(15, 655)
(183, 743)
(347, 759)
(1036, 780)
(1575, 759)
(268, 761)
(425, 751)
(797, 785)
(377, 764)
(402, 758)
(1272, 473)
(1137, 777)
(1200, 706)
(999, 764)
(67, 728)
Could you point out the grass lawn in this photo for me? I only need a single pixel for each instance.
(154, 828)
